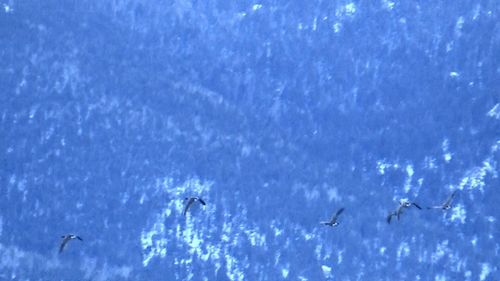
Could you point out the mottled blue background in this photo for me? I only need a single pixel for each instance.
(277, 113)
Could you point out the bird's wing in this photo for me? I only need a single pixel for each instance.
(339, 212)
(201, 201)
(448, 201)
(79, 238)
(63, 244)
(389, 217)
(334, 216)
(188, 204)
(399, 211)
(415, 204)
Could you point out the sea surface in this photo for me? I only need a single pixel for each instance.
(276, 113)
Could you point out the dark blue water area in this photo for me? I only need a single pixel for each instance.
(276, 113)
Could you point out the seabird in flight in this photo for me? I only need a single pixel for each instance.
(66, 239)
(403, 204)
(333, 220)
(447, 204)
(190, 201)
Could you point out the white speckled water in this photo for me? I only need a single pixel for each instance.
(275, 113)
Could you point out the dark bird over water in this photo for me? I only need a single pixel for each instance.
(403, 204)
(66, 239)
(447, 204)
(333, 220)
(189, 201)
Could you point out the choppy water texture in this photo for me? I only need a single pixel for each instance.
(277, 113)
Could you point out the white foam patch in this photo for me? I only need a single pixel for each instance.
(21, 183)
(384, 165)
(327, 271)
(430, 163)
(307, 236)
(156, 247)
(382, 250)
(494, 112)
(317, 251)
(69, 77)
(445, 146)
(312, 195)
(447, 157)
(8, 9)
(441, 250)
(350, 9)
(495, 147)
(409, 173)
(333, 194)
(485, 271)
(458, 213)
(246, 150)
(12, 180)
(256, 7)
(337, 27)
(381, 166)
(388, 5)
(255, 237)
(309, 194)
(276, 229)
(285, 271)
(476, 12)
(233, 268)
(440, 278)
(474, 241)
(449, 47)
(474, 178)
(459, 26)
(340, 255)
(403, 250)
(420, 182)
(277, 256)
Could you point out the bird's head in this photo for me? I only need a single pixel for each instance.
(404, 202)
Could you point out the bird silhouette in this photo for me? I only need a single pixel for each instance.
(403, 204)
(189, 201)
(66, 239)
(447, 204)
(333, 221)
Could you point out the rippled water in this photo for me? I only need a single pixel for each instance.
(276, 113)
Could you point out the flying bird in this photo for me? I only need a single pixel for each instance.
(66, 239)
(447, 204)
(190, 201)
(333, 221)
(403, 204)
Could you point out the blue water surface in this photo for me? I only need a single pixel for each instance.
(277, 113)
